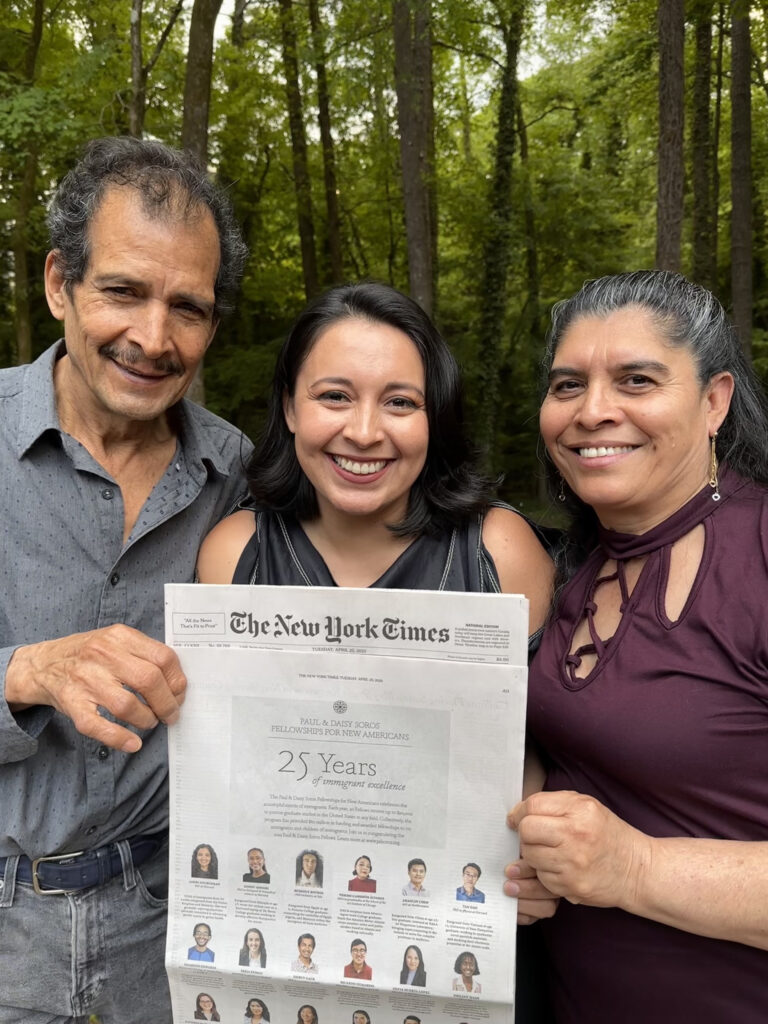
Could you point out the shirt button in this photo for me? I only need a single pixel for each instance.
(108, 494)
(103, 753)
(114, 579)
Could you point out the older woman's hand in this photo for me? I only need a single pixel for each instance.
(534, 901)
(579, 849)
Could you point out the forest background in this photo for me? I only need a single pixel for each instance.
(486, 156)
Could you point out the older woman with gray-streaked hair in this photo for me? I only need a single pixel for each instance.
(649, 694)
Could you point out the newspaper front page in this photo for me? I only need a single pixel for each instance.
(340, 778)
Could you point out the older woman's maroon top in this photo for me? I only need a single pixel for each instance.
(670, 731)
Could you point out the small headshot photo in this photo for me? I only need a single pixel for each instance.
(361, 1017)
(417, 872)
(256, 1010)
(205, 863)
(361, 880)
(254, 949)
(201, 933)
(307, 1015)
(309, 870)
(467, 891)
(257, 867)
(413, 972)
(304, 964)
(411, 1019)
(205, 1008)
(357, 967)
(466, 972)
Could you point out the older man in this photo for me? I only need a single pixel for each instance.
(110, 480)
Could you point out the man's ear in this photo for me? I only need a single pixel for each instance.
(214, 327)
(288, 412)
(55, 286)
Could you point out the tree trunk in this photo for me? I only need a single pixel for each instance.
(412, 23)
(197, 99)
(197, 84)
(138, 81)
(333, 227)
(741, 175)
(669, 209)
(531, 325)
(497, 250)
(713, 274)
(25, 201)
(238, 23)
(139, 70)
(301, 179)
(701, 146)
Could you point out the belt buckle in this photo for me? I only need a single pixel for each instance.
(41, 860)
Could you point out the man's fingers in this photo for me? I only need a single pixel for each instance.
(136, 679)
(103, 730)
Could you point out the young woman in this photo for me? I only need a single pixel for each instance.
(413, 971)
(205, 863)
(254, 950)
(363, 476)
(361, 880)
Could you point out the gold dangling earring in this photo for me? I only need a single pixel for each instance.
(713, 482)
(561, 492)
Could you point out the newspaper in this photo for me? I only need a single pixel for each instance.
(340, 778)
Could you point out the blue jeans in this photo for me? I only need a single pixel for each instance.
(101, 950)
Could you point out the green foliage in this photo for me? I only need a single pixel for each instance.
(588, 99)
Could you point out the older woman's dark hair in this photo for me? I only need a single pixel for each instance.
(262, 1004)
(450, 486)
(213, 868)
(420, 976)
(688, 315)
(462, 956)
(245, 953)
(169, 183)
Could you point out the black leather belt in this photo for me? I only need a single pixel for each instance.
(70, 872)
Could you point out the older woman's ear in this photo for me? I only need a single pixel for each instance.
(719, 394)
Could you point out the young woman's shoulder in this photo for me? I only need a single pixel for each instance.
(220, 551)
(523, 565)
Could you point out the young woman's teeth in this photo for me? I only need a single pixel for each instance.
(359, 468)
(596, 453)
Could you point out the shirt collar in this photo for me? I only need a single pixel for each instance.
(38, 408)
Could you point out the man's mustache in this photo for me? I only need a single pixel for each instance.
(132, 355)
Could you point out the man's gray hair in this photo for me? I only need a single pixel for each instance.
(171, 184)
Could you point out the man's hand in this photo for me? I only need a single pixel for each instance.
(579, 849)
(534, 901)
(137, 679)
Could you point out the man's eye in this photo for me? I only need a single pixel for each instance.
(189, 309)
